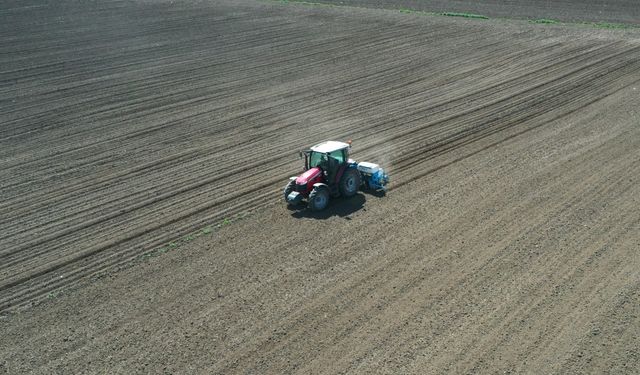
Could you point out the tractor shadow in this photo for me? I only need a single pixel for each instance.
(376, 193)
(342, 207)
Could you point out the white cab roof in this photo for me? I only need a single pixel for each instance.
(329, 146)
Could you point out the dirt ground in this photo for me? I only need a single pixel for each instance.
(508, 242)
(624, 11)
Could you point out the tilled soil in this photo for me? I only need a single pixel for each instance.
(507, 242)
(578, 11)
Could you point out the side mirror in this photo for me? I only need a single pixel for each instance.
(300, 154)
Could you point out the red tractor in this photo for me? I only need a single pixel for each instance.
(328, 173)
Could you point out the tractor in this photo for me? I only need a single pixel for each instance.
(329, 173)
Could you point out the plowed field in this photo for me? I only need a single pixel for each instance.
(579, 11)
(508, 240)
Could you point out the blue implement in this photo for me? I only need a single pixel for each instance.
(373, 176)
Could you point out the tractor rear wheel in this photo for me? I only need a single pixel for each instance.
(349, 183)
(318, 198)
(288, 189)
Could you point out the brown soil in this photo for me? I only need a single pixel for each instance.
(507, 243)
(579, 11)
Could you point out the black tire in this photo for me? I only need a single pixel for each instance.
(318, 198)
(349, 183)
(288, 189)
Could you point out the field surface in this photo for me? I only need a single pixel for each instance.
(579, 11)
(144, 146)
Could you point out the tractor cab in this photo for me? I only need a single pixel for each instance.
(328, 156)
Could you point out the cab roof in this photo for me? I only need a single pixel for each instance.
(329, 146)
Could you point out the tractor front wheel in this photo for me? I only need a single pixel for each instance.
(318, 198)
(288, 189)
(350, 182)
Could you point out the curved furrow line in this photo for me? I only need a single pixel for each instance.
(583, 77)
(504, 98)
(416, 286)
(375, 280)
(181, 55)
(498, 88)
(40, 78)
(107, 39)
(463, 99)
(563, 268)
(407, 163)
(26, 293)
(585, 99)
(483, 123)
(138, 205)
(296, 88)
(23, 204)
(138, 110)
(45, 114)
(54, 248)
(178, 52)
(255, 67)
(26, 244)
(395, 169)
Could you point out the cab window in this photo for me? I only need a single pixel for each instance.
(315, 159)
(338, 155)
